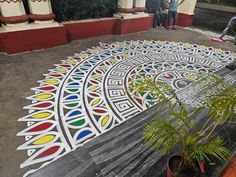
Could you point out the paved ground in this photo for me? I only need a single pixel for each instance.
(213, 20)
(122, 152)
(19, 73)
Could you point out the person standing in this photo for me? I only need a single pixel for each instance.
(231, 24)
(159, 15)
(165, 9)
(173, 5)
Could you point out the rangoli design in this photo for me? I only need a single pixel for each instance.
(89, 94)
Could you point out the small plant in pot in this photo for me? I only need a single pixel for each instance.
(179, 130)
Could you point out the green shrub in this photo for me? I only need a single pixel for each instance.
(151, 6)
(67, 10)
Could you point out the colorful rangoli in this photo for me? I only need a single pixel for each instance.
(88, 94)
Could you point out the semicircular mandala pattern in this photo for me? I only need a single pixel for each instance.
(88, 94)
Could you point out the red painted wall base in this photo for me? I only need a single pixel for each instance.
(184, 19)
(86, 29)
(125, 26)
(2, 47)
(21, 41)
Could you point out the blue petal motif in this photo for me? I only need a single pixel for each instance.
(83, 134)
(74, 84)
(75, 113)
(73, 97)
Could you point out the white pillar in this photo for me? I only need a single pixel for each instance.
(186, 13)
(125, 9)
(125, 6)
(41, 12)
(140, 5)
(13, 16)
(187, 7)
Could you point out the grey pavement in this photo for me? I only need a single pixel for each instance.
(20, 72)
(211, 20)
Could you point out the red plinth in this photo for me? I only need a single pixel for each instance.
(125, 26)
(126, 11)
(43, 17)
(85, 29)
(2, 47)
(140, 9)
(184, 19)
(21, 41)
(14, 19)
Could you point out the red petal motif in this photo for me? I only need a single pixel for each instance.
(47, 88)
(55, 75)
(43, 105)
(41, 127)
(49, 151)
(94, 82)
(99, 110)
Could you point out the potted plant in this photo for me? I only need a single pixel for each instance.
(179, 130)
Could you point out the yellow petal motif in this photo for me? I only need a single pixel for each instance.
(114, 60)
(44, 96)
(218, 51)
(188, 45)
(202, 46)
(191, 76)
(41, 115)
(104, 120)
(51, 81)
(94, 87)
(44, 140)
(82, 55)
(95, 102)
(60, 70)
(72, 62)
(96, 76)
(103, 67)
(94, 51)
(125, 55)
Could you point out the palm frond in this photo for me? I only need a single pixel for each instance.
(215, 147)
(161, 92)
(165, 134)
(222, 103)
(161, 134)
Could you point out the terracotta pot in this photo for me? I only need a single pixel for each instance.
(173, 159)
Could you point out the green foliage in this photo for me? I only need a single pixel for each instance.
(151, 6)
(66, 10)
(215, 147)
(179, 128)
(223, 103)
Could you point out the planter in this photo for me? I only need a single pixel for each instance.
(172, 168)
(172, 162)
